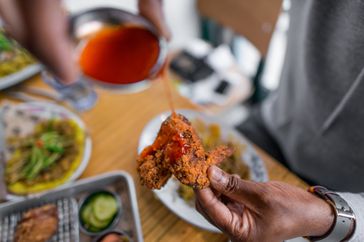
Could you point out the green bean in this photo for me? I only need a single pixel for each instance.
(37, 167)
(51, 160)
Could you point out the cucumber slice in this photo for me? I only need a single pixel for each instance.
(104, 208)
(86, 213)
(99, 211)
(94, 222)
(93, 229)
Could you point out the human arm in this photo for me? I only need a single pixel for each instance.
(272, 211)
(41, 27)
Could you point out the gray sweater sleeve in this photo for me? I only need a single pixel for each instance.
(356, 202)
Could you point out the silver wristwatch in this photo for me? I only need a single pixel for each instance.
(344, 224)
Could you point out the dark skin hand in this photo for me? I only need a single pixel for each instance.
(261, 212)
(41, 27)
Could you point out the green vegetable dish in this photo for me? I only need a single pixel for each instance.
(45, 158)
(99, 211)
(13, 57)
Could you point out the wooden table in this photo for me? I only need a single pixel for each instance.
(115, 125)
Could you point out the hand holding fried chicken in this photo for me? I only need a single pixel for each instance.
(178, 151)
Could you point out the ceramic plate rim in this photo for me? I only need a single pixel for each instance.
(19, 76)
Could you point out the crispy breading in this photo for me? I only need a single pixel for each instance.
(178, 150)
(37, 225)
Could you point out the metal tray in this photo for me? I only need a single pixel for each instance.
(68, 229)
(120, 183)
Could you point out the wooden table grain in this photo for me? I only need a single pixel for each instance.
(115, 125)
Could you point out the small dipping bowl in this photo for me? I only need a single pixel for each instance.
(114, 221)
(123, 235)
(83, 27)
(85, 24)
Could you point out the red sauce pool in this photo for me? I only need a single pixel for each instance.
(120, 55)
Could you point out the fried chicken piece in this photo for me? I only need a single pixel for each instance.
(37, 225)
(179, 151)
(150, 168)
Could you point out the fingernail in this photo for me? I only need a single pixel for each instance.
(215, 174)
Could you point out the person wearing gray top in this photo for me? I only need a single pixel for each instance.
(314, 124)
(317, 115)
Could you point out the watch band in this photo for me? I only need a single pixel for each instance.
(344, 223)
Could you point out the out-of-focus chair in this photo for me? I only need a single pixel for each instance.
(253, 19)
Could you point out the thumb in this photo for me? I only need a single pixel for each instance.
(152, 10)
(246, 192)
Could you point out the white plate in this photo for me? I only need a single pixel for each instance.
(46, 110)
(19, 76)
(168, 194)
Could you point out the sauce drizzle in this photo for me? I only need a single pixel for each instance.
(164, 75)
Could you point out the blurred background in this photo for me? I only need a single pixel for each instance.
(254, 32)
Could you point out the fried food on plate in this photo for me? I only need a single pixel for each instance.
(178, 151)
(37, 225)
(211, 136)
